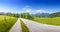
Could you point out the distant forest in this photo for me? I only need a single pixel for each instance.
(30, 16)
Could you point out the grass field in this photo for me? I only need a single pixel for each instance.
(6, 23)
(24, 27)
(50, 21)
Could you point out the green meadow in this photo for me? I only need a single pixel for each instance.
(50, 21)
(24, 27)
(6, 22)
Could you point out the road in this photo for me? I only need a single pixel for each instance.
(16, 27)
(38, 27)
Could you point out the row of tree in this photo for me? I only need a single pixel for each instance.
(56, 14)
(22, 15)
(10, 14)
(30, 16)
(26, 15)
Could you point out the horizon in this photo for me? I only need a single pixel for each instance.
(30, 6)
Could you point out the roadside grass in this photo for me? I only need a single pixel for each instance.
(6, 23)
(24, 27)
(50, 21)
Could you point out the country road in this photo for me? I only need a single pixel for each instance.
(37, 27)
(16, 27)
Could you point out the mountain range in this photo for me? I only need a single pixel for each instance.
(42, 14)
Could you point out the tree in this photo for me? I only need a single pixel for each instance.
(1, 13)
(26, 15)
(56, 14)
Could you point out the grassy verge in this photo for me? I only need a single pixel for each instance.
(24, 27)
(6, 23)
(50, 21)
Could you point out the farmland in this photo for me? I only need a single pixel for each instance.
(6, 22)
(50, 21)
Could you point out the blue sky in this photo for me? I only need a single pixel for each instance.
(31, 6)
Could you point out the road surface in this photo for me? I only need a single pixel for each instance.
(37, 27)
(16, 27)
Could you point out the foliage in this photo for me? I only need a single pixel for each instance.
(26, 15)
(13, 15)
(6, 22)
(1, 13)
(24, 27)
(56, 14)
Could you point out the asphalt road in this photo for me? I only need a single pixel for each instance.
(38, 27)
(16, 27)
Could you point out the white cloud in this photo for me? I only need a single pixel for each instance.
(42, 11)
(3, 10)
(12, 10)
(26, 9)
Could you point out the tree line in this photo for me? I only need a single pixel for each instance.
(29, 16)
(52, 15)
(10, 14)
(26, 15)
(56, 14)
(22, 15)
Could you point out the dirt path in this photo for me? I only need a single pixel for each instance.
(16, 27)
(37, 27)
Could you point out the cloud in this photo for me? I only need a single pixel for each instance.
(26, 9)
(6, 10)
(42, 11)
